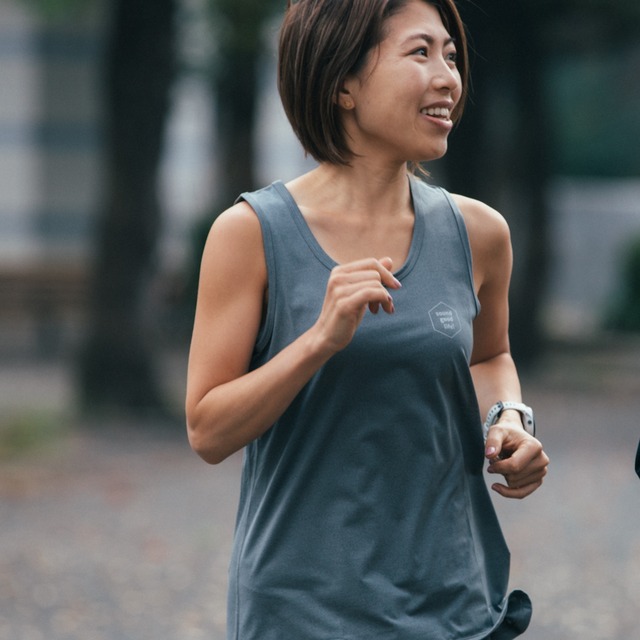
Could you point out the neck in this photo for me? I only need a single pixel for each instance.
(361, 189)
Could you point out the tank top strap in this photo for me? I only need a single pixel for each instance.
(444, 220)
(294, 260)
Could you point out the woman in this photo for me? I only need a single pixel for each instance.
(351, 328)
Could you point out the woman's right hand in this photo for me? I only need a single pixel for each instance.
(352, 288)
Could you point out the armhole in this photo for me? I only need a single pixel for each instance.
(266, 326)
(466, 245)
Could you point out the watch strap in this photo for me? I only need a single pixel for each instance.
(528, 421)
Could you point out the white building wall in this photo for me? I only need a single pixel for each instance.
(49, 135)
(592, 223)
(19, 80)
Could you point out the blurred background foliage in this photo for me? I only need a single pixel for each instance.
(601, 127)
(62, 9)
(624, 314)
(554, 92)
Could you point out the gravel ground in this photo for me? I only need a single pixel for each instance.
(122, 533)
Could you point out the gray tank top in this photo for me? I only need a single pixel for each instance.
(364, 513)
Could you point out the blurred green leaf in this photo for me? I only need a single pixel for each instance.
(25, 432)
(57, 8)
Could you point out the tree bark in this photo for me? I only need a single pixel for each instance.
(236, 91)
(531, 174)
(235, 81)
(117, 366)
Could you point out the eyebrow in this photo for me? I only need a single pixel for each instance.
(430, 40)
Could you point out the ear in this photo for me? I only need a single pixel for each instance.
(345, 99)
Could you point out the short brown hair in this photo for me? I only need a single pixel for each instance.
(324, 41)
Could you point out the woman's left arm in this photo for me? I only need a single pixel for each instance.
(512, 452)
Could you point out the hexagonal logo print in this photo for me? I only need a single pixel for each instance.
(445, 320)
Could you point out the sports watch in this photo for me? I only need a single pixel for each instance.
(528, 421)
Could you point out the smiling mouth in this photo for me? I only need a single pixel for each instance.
(437, 112)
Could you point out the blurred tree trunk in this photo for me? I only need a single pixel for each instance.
(499, 153)
(531, 176)
(117, 366)
(239, 31)
(235, 80)
(235, 86)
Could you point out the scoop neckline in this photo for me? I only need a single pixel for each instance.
(326, 259)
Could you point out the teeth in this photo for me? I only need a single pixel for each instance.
(437, 112)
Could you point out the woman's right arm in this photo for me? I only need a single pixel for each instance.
(228, 406)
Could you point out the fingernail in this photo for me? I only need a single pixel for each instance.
(490, 452)
(397, 283)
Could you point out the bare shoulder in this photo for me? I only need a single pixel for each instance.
(239, 223)
(233, 257)
(235, 236)
(489, 239)
(484, 224)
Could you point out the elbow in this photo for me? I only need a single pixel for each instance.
(205, 444)
(502, 356)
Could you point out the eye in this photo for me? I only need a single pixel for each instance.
(421, 51)
(453, 57)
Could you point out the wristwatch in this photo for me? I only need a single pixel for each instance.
(528, 421)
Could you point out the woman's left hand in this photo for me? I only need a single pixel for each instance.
(517, 456)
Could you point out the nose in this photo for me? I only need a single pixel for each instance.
(446, 76)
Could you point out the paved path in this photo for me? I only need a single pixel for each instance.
(125, 535)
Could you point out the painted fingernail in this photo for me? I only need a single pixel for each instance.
(397, 283)
(392, 308)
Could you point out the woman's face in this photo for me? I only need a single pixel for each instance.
(403, 97)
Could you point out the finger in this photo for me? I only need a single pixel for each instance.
(381, 267)
(529, 475)
(497, 440)
(387, 306)
(510, 442)
(516, 492)
(529, 455)
(361, 277)
(388, 279)
(387, 263)
(516, 462)
(493, 444)
(375, 297)
(524, 479)
(352, 298)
